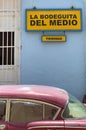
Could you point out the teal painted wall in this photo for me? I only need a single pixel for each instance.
(55, 64)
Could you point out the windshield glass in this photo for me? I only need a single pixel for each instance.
(74, 109)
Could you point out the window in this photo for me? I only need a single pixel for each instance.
(22, 111)
(74, 109)
(2, 110)
(6, 48)
(50, 112)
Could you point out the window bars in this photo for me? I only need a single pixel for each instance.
(9, 25)
(9, 41)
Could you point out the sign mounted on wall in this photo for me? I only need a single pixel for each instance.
(54, 38)
(54, 20)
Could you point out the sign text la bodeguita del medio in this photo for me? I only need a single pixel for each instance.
(53, 20)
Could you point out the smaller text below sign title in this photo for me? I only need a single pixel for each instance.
(54, 20)
(53, 38)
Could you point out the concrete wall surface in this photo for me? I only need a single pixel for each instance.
(55, 64)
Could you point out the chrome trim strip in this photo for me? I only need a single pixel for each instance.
(78, 127)
(56, 127)
(45, 127)
(34, 100)
(65, 107)
(56, 114)
(8, 109)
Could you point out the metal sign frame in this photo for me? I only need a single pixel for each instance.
(42, 23)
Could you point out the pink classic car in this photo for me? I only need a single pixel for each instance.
(26, 107)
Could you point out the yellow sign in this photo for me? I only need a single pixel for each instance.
(53, 20)
(53, 38)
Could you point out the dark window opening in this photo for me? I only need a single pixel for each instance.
(6, 48)
(2, 110)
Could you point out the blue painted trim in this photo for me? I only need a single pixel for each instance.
(52, 30)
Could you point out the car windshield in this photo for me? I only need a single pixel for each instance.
(74, 109)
